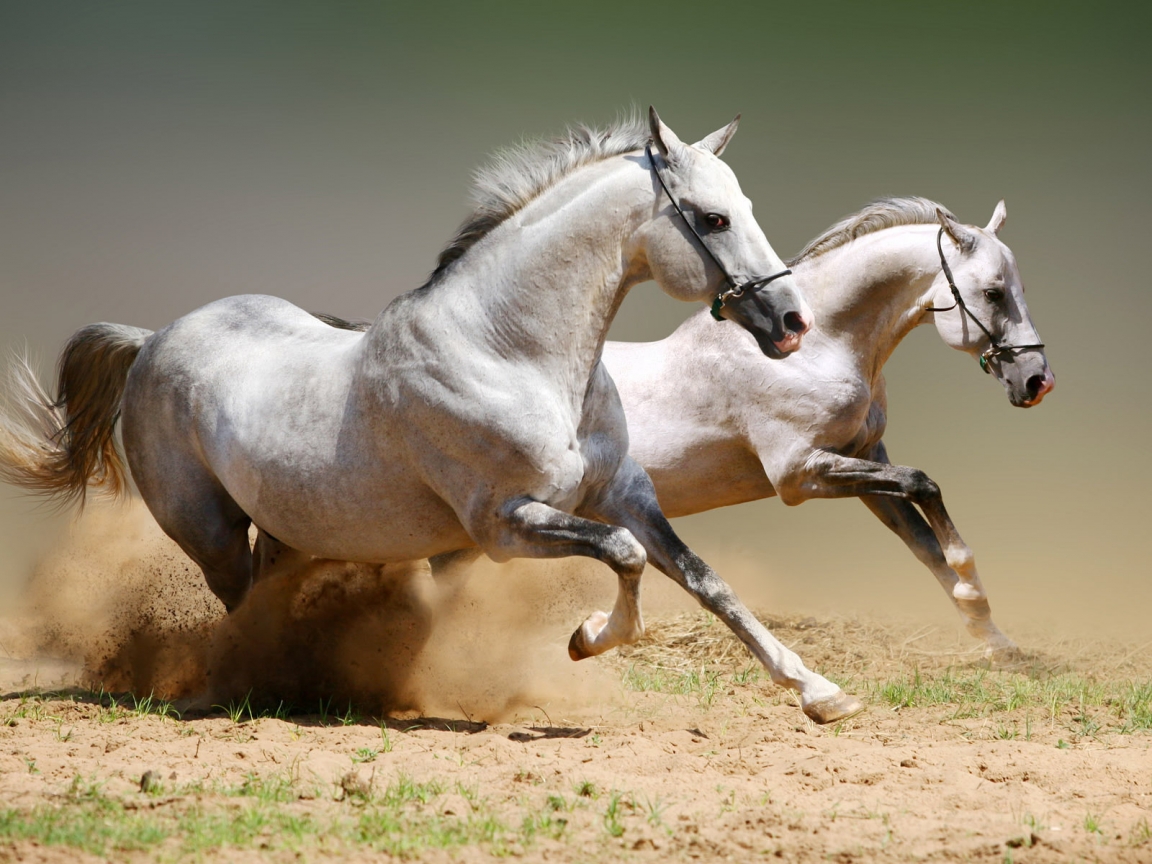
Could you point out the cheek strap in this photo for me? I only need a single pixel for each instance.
(995, 349)
(734, 290)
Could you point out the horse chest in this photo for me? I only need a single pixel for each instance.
(868, 431)
(835, 410)
(835, 407)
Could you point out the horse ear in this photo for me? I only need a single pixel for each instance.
(965, 238)
(999, 217)
(718, 140)
(663, 137)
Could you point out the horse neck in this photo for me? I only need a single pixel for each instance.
(871, 292)
(544, 285)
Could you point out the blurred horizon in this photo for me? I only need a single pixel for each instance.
(159, 157)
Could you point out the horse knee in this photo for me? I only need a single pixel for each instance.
(921, 487)
(625, 554)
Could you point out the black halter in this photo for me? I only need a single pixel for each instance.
(734, 289)
(995, 349)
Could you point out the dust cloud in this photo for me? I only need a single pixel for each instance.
(122, 601)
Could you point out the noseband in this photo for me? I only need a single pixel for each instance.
(995, 349)
(734, 290)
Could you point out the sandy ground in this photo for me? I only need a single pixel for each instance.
(735, 776)
(493, 743)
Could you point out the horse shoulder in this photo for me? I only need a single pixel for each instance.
(820, 402)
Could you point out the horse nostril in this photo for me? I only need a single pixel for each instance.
(1035, 384)
(794, 323)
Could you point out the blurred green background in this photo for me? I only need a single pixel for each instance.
(157, 156)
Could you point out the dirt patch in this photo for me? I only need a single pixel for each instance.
(364, 718)
(703, 763)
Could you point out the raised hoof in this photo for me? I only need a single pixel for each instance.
(576, 648)
(833, 709)
(581, 645)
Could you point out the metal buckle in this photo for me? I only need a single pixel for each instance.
(723, 297)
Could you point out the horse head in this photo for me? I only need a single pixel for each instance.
(980, 308)
(704, 243)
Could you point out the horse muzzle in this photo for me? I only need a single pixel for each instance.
(1038, 386)
(775, 315)
(1026, 381)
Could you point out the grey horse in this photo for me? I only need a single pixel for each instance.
(813, 427)
(473, 413)
(714, 423)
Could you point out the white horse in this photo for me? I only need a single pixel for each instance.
(474, 412)
(713, 424)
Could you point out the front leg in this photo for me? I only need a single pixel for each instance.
(631, 502)
(890, 491)
(531, 529)
(827, 474)
(907, 523)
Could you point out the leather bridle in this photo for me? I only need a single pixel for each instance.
(996, 348)
(734, 290)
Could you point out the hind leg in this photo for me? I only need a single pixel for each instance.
(183, 494)
(215, 536)
(207, 524)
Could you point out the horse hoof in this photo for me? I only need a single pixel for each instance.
(577, 650)
(1005, 655)
(582, 645)
(832, 709)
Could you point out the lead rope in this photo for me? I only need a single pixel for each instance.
(734, 290)
(995, 349)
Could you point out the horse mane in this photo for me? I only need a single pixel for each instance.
(880, 214)
(516, 175)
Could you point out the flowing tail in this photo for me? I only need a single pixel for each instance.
(60, 447)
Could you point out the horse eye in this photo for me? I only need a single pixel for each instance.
(717, 222)
(994, 295)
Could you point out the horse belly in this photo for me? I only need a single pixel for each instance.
(337, 494)
(382, 528)
(704, 476)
